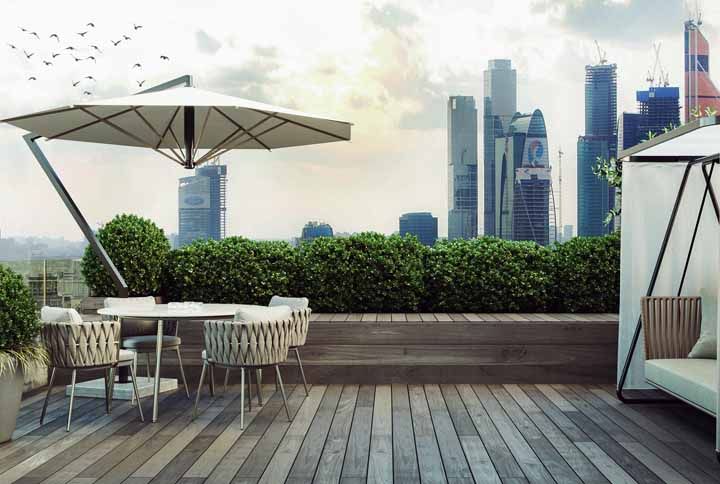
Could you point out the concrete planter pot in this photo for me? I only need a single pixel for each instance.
(11, 388)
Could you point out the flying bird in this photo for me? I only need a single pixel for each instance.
(91, 78)
(28, 55)
(32, 78)
(23, 29)
(12, 46)
(137, 64)
(77, 59)
(87, 93)
(137, 27)
(140, 83)
(91, 58)
(82, 34)
(35, 34)
(70, 48)
(115, 43)
(96, 48)
(164, 57)
(47, 63)
(55, 54)
(75, 83)
(90, 24)
(56, 37)
(126, 37)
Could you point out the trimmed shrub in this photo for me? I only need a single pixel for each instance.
(586, 274)
(488, 275)
(19, 324)
(233, 270)
(364, 272)
(137, 247)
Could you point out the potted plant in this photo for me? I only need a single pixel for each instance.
(20, 350)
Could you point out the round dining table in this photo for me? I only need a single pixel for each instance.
(167, 312)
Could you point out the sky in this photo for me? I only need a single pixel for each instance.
(386, 66)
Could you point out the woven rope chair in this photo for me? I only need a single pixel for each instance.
(248, 346)
(86, 346)
(671, 325)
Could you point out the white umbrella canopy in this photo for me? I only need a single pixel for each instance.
(177, 122)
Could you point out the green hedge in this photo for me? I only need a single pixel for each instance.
(233, 270)
(365, 272)
(488, 275)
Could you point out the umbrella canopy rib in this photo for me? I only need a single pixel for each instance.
(302, 125)
(41, 113)
(230, 139)
(165, 131)
(87, 125)
(232, 121)
(136, 109)
(235, 146)
(202, 132)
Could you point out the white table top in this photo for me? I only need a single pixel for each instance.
(162, 311)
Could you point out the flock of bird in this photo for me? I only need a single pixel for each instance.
(83, 47)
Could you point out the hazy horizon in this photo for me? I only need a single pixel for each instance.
(388, 67)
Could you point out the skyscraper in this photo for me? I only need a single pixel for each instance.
(313, 230)
(420, 224)
(658, 108)
(462, 168)
(700, 92)
(595, 196)
(499, 107)
(523, 180)
(202, 204)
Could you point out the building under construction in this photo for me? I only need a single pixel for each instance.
(658, 110)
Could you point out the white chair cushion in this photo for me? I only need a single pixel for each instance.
(262, 313)
(133, 302)
(59, 315)
(126, 355)
(295, 303)
(204, 355)
(694, 380)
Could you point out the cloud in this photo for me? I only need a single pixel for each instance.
(633, 20)
(270, 52)
(254, 79)
(206, 43)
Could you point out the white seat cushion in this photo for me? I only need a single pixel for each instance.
(132, 302)
(694, 380)
(126, 355)
(263, 313)
(204, 355)
(295, 303)
(59, 315)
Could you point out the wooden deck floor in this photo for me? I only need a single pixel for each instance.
(367, 433)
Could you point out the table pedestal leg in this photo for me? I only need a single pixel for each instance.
(123, 370)
(158, 357)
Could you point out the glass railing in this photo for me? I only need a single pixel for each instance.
(52, 282)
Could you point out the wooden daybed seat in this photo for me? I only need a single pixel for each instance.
(672, 328)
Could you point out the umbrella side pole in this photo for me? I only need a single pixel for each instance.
(95, 244)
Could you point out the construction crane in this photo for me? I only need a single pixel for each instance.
(602, 55)
(658, 76)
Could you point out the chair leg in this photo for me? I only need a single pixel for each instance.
(211, 383)
(182, 372)
(302, 372)
(72, 399)
(136, 393)
(111, 390)
(47, 395)
(249, 385)
(227, 378)
(147, 366)
(242, 398)
(282, 391)
(258, 386)
(106, 375)
(134, 373)
(197, 397)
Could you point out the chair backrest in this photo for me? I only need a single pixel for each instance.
(136, 327)
(301, 314)
(82, 345)
(247, 343)
(671, 325)
(50, 314)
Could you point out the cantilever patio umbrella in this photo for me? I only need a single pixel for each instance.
(182, 123)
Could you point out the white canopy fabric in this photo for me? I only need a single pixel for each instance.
(157, 120)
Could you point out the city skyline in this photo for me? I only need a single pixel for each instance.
(393, 82)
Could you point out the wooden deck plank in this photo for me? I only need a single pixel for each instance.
(329, 468)
(380, 462)
(405, 463)
(357, 453)
(610, 469)
(429, 459)
(451, 451)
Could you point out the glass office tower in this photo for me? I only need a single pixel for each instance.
(499, 107)
(658, 109)
(202, 205)
(313, 230)
(595, 196)
(462, 168)
(420, 224)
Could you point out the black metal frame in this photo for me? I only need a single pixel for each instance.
(97, 248)
(703, 162)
